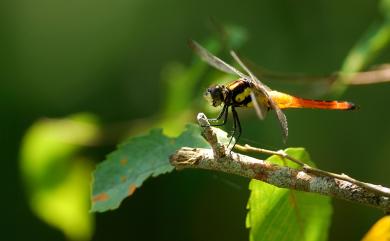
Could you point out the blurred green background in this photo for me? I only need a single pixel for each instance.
(109, 58)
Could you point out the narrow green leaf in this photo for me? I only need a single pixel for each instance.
(384, 6)
(281, 214)
(374, 40)
(133, 162)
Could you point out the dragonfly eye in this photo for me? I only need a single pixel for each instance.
(214, 95)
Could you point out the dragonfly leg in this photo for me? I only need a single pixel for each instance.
(234, 129)
(224, 113)
(236, 125)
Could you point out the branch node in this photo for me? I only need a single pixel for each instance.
(211, 137)
(185, 156)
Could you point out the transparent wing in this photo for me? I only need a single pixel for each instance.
(279, 114)
(252, 79)
(261, 110)
(264, 90)
(282, 120)
(213, 60)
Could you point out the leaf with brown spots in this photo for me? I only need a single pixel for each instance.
(133, 162)
(100, 197)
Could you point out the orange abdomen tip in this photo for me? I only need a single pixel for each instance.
(323, 104)
(285, 101)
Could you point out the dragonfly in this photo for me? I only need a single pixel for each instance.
(249, 92)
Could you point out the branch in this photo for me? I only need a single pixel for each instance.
(374, 188)
(378, 75)
(220, 159)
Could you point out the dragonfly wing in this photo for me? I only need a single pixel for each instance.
(261, 109)
(265, 91)
(282, 119)
(213, 60)
(253, 79)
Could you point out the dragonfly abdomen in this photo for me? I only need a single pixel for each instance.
(285, 101)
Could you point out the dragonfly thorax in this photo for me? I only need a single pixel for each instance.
(216, 95)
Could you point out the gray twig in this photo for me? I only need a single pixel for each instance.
(308, 179)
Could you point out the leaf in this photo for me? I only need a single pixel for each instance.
(384, 6)
(133, 162)
(56, 177)
(280, 214)
(368, 47)
(380, 231)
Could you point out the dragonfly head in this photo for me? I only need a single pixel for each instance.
(216, 95)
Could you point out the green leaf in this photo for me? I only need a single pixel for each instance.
(133, 162)
(369, 46)
(384, 6)
(55, 175)
(281, 214)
